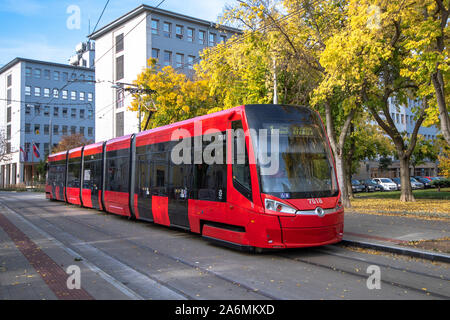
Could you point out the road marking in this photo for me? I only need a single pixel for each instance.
(133, 277)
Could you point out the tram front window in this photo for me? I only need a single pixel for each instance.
(302, 167)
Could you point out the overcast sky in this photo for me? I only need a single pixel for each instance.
(37, 29)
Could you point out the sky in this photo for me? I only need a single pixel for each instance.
(38, 29)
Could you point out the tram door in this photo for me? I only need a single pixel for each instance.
(180, 182)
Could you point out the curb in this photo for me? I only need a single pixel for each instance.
(442, 257)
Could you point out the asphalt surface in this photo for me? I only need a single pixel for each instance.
(124, 259)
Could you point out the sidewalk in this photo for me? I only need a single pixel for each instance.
(395, 234)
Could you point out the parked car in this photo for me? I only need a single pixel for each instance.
(370, 186)
(426, 182)
(416, 184)
(386, 183)
(398, 182)
(357, 186)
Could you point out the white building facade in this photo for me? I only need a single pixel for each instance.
(123, 48)
(42, 101)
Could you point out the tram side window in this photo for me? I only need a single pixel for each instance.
(241, 166)
(73, 174)
(210, 179)
(160, 157)
(117, 171)
(92, 174)
(142, 175)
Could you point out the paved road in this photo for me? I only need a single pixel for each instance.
(124, 259)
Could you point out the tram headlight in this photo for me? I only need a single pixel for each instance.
(278, 206)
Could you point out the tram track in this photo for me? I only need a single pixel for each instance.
(285, 255)
(152, 250)
(364, 275)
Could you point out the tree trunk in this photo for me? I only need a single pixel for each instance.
(438, 83)
(342, 180)
(405, 179)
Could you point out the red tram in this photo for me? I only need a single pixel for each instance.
(239, 199)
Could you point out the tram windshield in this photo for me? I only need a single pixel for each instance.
(293, 157)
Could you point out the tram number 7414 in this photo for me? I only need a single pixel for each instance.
(315, 201)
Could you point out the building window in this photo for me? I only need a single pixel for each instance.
(190, 62)
(155, 26)
(73, 95)
(91, 131)
(82, 130)
(8, 114)
(81, 113)
(47, 74)
(73, 113)
(73, 77)
(119, 42)
(55, 129)
(27, 90)
(167, 58)
(55, 93)
(37, 128)
(46, 129)
(201, 37)
(37, 73)
(91, 78)
(403, 119)
(9, 80)
(190, 35)
(212, 39)
(90, 97)
(179, 60)
(56, 75)
(46, 92)
(37, 91)
(28, 108)
(81, 95)
(81, 77)
(8, 132)
(167, 29)
(119, 98)
(223, 38)
(28, 72)
(64, 112)
(46, 148)
(27, 128)
(46, 111)
(37, 110)
(90, 114)
(179, 31)
(397, 118)
(65, 76)
(155, 54)
(64, 94)
(8, 96)
(55, 111)
(73, 130)
(119, 68)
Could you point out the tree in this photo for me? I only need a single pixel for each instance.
(175, 97)
(5, 152)
(71, 142)
(367, 58)
(427, 35)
